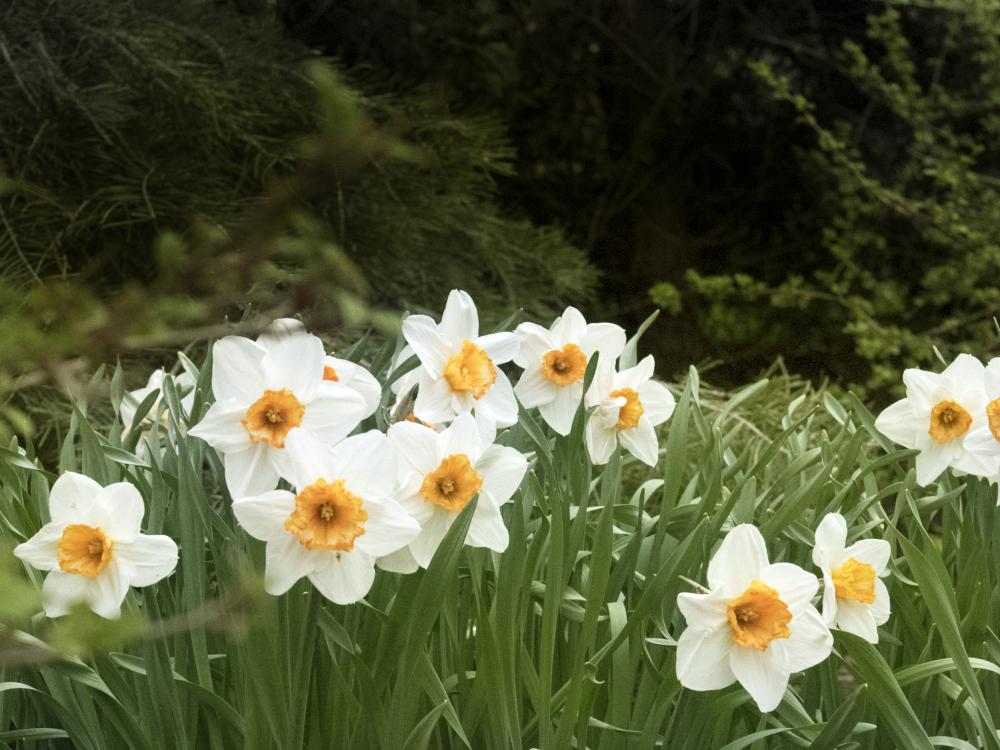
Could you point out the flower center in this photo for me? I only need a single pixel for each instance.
(84, 550)
(564, 366)
(855, 581)
(452, 484)
(470, 371)
(993, 415)
(758, 616)
(330, 373)
(327, 516)
(628, 415)
(271, 417)
(949, 420)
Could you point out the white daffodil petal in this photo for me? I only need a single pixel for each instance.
(344, 578)
(295, 363)
(703, 659)
(387, 529)
(641, 441)
(332, 416)
(809, 644)
(460, 319)
(605, 339)
(533, 389)
(400, 561)
(964, 369)
(106, 592)
(60, 591)
(874, 552)
(150, 558)
(122, 509)
(461, 436)
(304, 458)
(600, 441)
(922, 388)
(657, 401)
(932, 460)
(415, 445)
(739, 560)
(900, 423)
(499, 403)
(561, 411)
(831, 536)
(263, 516)
(433, 402)
(761, 675)
(222, 427)
(362, 381)
(856, 618)
(502, 470)
(422, 334)
(796, 586)
(280, 329)
(570, 327)
(367, 462)
(431, 534)
(829, 599)
(250, 472)
(237, 374)
(40, 550)
(634, 376)
(72, 496)
(487, 528)
(880, 609)
(501, 347)
(704, 611)
(286, 562)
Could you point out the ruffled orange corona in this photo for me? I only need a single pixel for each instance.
(758, 616)
(452, 484)
(327, 516)
(470, 371)
(84, 550)
(271, 417)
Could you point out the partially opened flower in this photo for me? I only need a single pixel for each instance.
(939, 410)
(93, 547)
(555, 361)
(756, 625)
(458, 370)
(341, 517)
(130, 403)
(343, 371)
(854, 599)
(263, 393)
(626, 406)
(440, 473)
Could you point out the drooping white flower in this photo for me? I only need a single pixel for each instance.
(93, 547)
(555, 361)
(854, 599)
(939, 410)
(440, 472)
(626, 406)
(343, 371)
(756, 625)
(262, 394)
(340, 519)
(458, 370)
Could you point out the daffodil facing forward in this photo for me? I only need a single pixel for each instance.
(341, 517)
(756, 625)
(854, 597)
(626, 407)
(940, 410)
(264, 393)
(555, 362)
(440, 473)
(459, 369)
(93, 548)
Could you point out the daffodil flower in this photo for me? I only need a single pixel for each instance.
(340, 518)
(132, 400)
(854, 599)
(265, 392)
(625, 407)
(458, 370)
(440, 472)
(555, 361)
(756, 625)
(336, 370)
(939, 411)
(93, 548)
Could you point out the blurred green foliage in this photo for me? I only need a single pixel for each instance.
(169, 165)
(816, 179)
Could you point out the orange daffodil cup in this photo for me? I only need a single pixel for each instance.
(555, 362)
(93, 548)
(264, 390)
